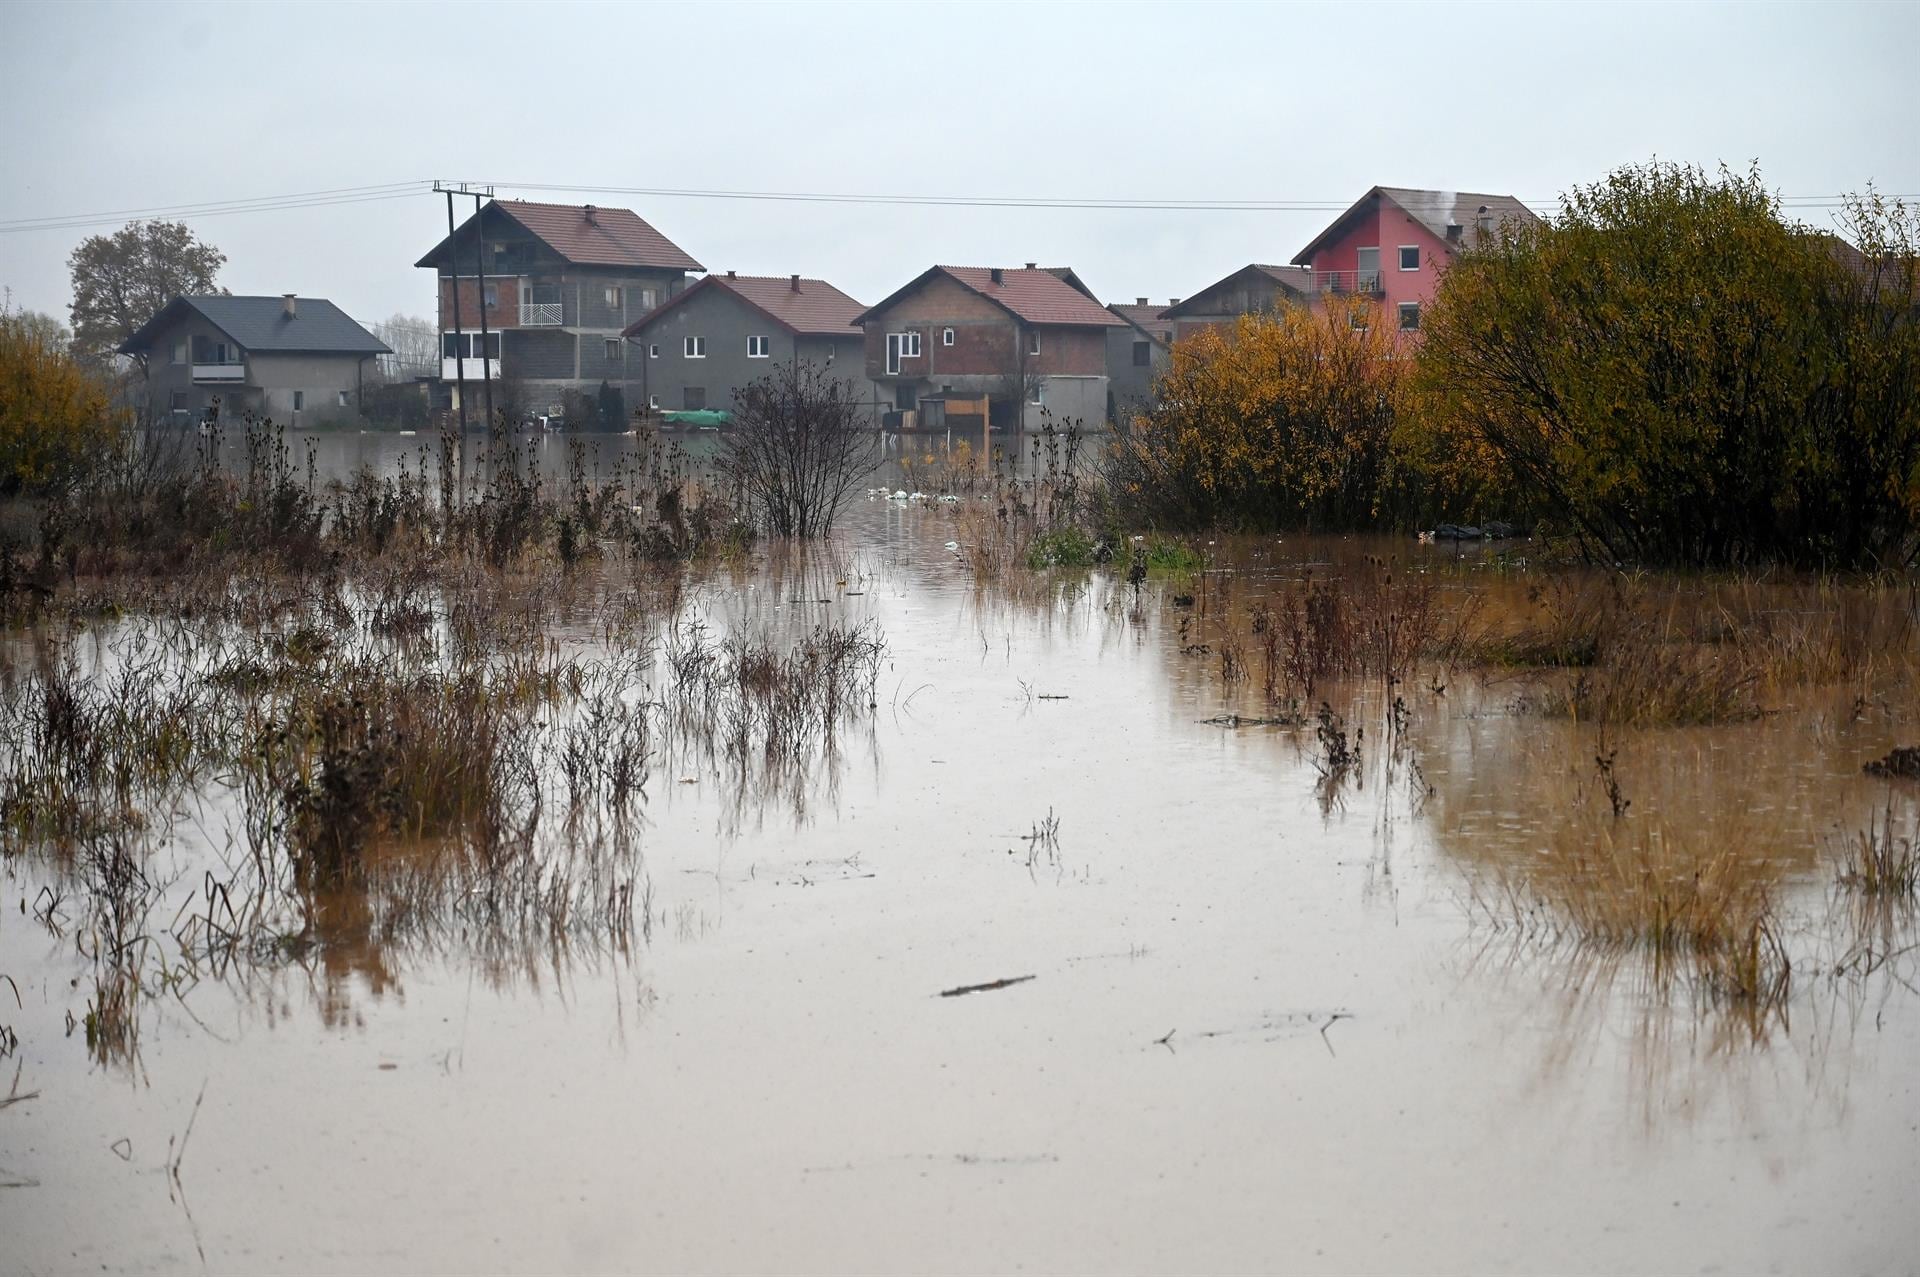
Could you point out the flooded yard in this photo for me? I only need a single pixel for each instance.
(851, 909)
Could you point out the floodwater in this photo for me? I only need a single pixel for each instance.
(1266, 1027)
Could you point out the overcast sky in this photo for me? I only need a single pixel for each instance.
(112, 107)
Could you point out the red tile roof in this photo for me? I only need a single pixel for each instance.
(1435, 210)
(815, 309)
(614, 236)
(1147, 319)
(1037, 296)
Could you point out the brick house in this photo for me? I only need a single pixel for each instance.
(700, 346)
(299, 360)
(1137, 355)
(1392, 245)
(1027, 339)
(1251, 290)
(563, 282)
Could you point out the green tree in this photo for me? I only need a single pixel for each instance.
(1676, 374)
(120, 281)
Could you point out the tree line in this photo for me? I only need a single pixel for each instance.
(1671, 372)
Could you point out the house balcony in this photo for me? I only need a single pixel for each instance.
(541, 314)
(220, 372)
(470, 369)
(1348, 283)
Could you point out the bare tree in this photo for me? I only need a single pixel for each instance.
(799, 444)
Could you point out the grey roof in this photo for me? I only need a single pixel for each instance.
(1434, 210)
(261, 324)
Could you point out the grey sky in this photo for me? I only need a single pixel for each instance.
(115, 106)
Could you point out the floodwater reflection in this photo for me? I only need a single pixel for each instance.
(1333, 935)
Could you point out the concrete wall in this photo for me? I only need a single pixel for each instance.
(726, 322)
(268, 387)
(1130, 385)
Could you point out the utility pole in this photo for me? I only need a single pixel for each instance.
(486, 338)
(459, 332)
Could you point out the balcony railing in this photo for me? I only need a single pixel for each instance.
(472, 369)
(540, 314)
(235, 371)
(1348, 282)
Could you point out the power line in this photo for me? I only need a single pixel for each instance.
(374, 193)
(1041, 202)
(271, 204)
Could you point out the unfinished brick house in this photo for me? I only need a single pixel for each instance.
(563, 282)
(1026, 339)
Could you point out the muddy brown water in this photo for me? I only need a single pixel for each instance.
(1264, 1031)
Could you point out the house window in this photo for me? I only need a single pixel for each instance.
(179, 352)
(946, 336)
(613, 350)
(177, 401)
(1142, 354)
(1357, 318)
(1409, 317)
(756, 348)
(299, 400)
(1409, 257)
(492, 296)
(1039, 395)
(1366, 278)
(653, 351)
(342, 401)
(613, 298)
(901, 346)
(694, 347)
(696, 398)
(653, 402)
(1033, 346)
(646, 299)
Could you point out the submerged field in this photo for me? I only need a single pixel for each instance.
(890, 904)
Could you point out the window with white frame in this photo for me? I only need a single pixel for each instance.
(299, 400)
(343, 399)
(1039, 394)
(612, 294)
(1033, 345)
(653, 402)
(757, 347)
(694, 347)
(1409, 257)
(946, 336)
(653, 351)
(646, 299)
(1409, 317)
(613, 350)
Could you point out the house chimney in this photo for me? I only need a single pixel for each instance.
(286, 304)
(1172, 302)
(999, 276)
(731, 275)
(1453, 232)
(1033, 265)
(796, 283)
(590, 210)
(1483, 221)
(1139, 301)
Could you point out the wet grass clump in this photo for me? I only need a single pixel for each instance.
(1882, 864)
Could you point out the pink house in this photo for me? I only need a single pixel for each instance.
(1392, 245)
